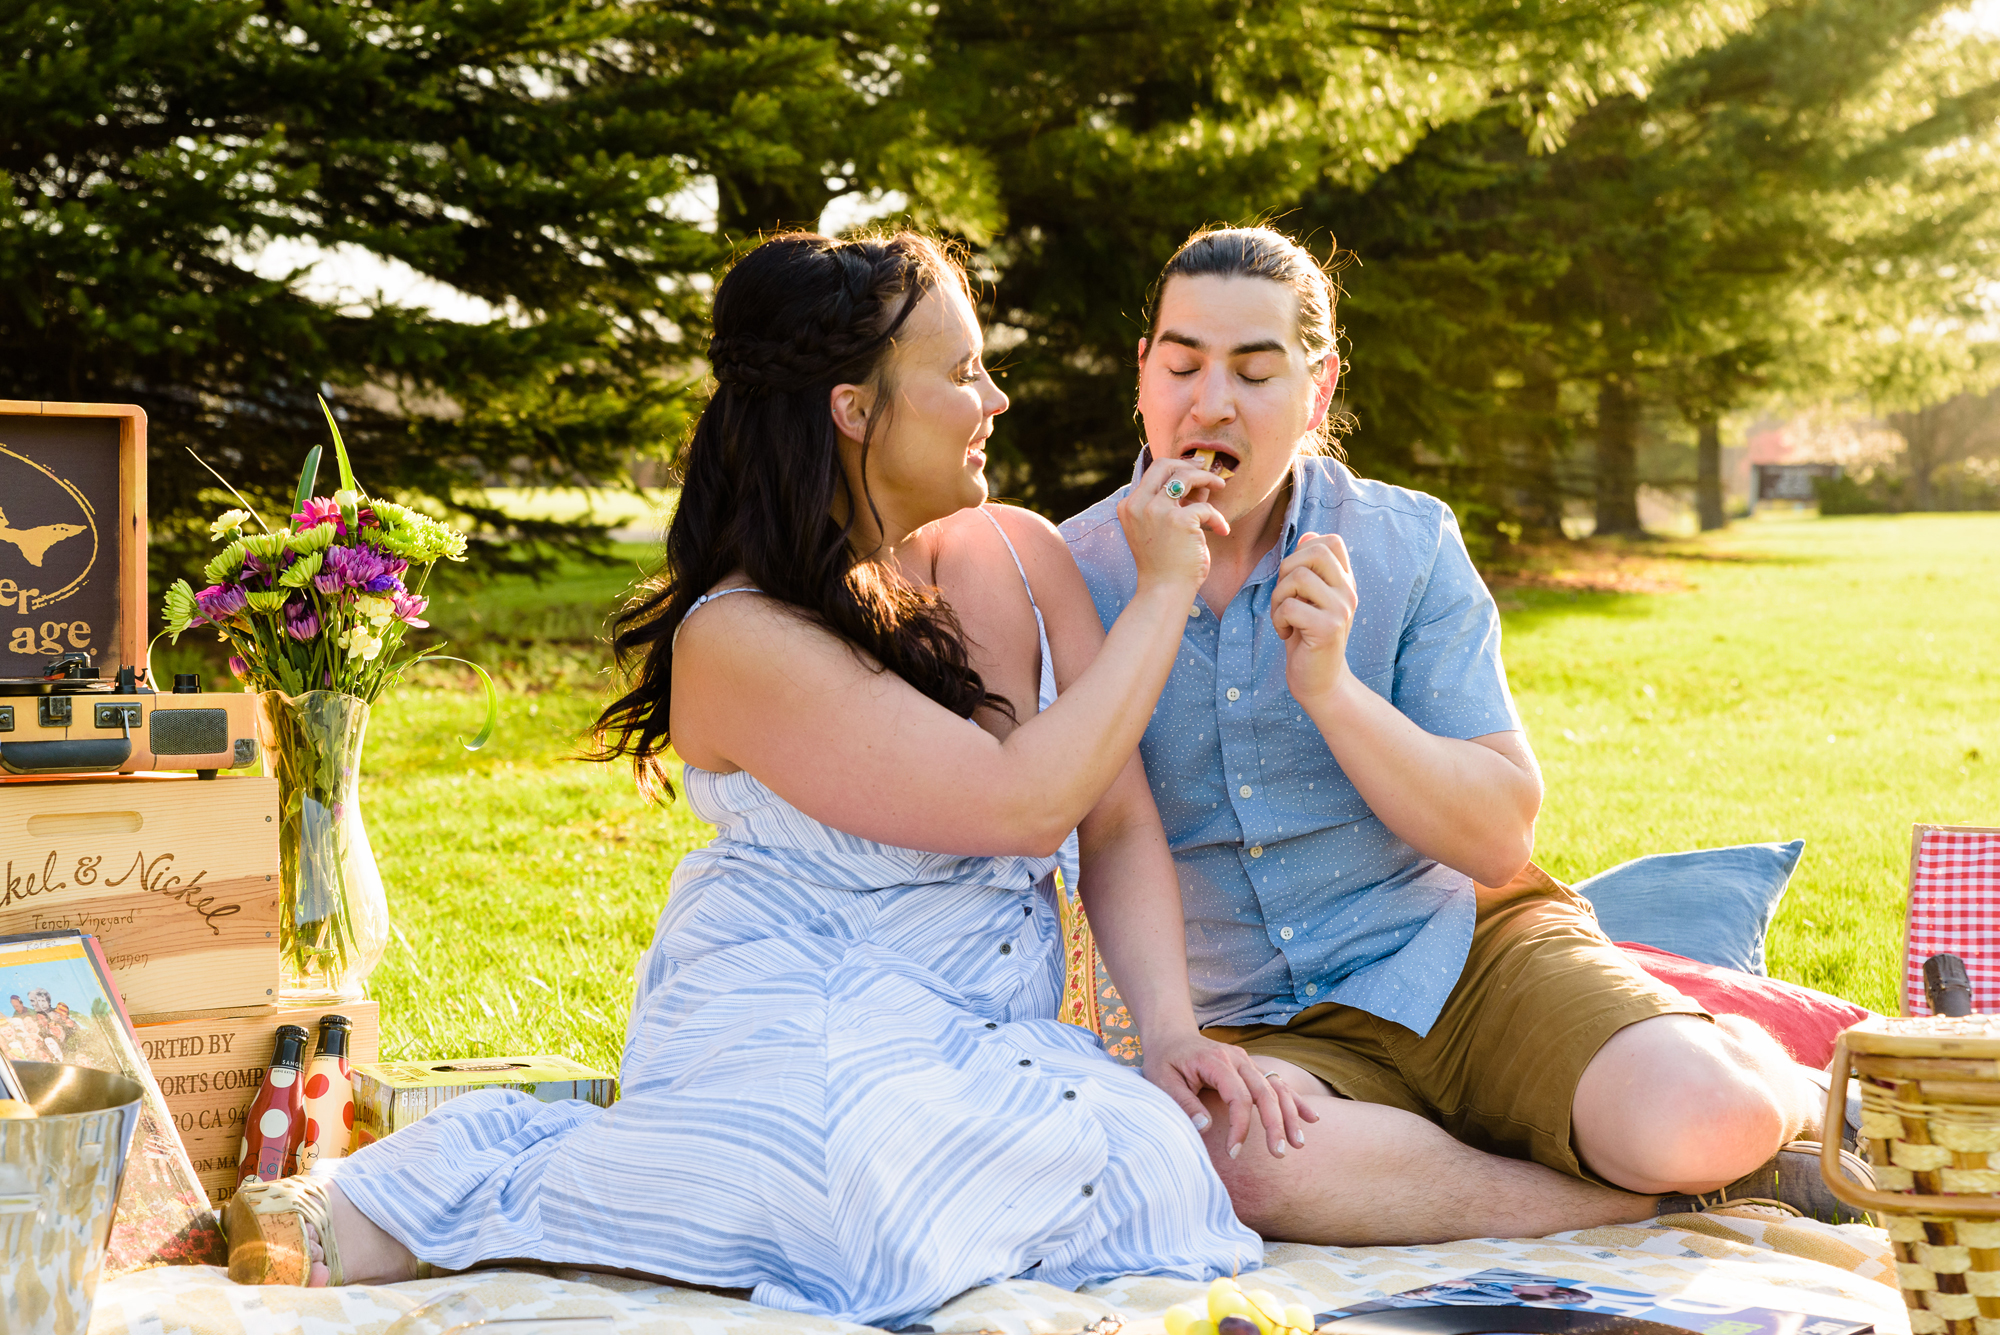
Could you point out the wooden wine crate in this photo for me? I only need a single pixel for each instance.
(210, 1065)
(177, 876)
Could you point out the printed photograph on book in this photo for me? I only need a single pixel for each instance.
(63, 1007)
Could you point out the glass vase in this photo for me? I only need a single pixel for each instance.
(333, 917)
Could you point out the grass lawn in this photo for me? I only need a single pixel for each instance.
(1831, 679)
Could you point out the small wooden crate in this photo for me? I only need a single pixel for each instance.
(177, 876)
(1930, 1118)
(210, 1065)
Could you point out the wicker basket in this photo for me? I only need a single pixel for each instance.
(1930, 1119)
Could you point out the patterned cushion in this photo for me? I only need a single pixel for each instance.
(1089, 998)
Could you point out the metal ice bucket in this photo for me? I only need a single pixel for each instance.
(59, 1178)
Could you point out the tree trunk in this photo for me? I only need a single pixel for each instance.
(1541, 488)
(1617, 458)
(1708, 473)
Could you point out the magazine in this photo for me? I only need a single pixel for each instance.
(58, 1004)
(1515, 1288)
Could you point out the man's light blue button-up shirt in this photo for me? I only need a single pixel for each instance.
(1295, 894)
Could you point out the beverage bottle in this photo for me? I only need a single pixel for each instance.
(277, 1117)
(329, 1095)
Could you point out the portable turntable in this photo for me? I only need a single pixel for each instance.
(74, 695)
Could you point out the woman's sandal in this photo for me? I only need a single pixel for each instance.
(266, 1223)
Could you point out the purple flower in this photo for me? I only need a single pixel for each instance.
(301, 622)
(319, 510)
(361, 568)
(238, 668)
(219, 602)
(410, 607)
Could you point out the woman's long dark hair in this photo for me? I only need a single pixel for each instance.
(761, 480)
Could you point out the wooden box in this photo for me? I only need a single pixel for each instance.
(210, 1065)
(177, 876)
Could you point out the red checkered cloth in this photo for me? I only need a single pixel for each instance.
(1954, 910)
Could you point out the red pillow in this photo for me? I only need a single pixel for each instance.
(1805, 1022)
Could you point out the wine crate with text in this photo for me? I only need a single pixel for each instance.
(211, 1063)
(177, 876)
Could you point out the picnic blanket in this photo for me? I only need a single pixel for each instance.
(1822, 1269)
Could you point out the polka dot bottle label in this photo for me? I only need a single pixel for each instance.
(329, 1097)
(276, 1120)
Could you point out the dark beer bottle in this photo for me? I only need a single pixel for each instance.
(329, 1095)
(277, 1117)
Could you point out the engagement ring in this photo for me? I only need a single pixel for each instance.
(1176, 488)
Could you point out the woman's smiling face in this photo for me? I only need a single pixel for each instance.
(934, 409)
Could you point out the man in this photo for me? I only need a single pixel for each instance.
(1342, 775)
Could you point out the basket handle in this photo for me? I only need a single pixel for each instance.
(1867, 1198)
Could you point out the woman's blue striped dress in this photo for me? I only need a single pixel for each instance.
(843, 1088)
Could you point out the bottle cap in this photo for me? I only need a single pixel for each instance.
(291, 1046)
(333, 1035)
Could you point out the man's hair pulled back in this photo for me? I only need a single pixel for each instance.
(1261, 252)
(761, 474)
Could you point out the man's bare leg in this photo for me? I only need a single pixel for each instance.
(1370, 1175)
(1678, 1104)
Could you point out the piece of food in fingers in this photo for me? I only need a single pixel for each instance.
(1205, 460)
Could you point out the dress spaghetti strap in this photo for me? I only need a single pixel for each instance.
(1011, 552)
(711, 597)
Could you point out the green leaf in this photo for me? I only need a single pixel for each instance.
(339, 449)
(485, 734)
(308, 477)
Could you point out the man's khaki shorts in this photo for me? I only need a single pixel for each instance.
(1542, 990)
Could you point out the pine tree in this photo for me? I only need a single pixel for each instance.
(544, 156)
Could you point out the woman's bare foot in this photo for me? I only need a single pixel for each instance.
(368, 1255)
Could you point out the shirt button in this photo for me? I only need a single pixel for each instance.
(1027, 1061)
(1257, 852)
(1244, 791)
(1195, 611)
(1312, 989)
(1235, 694)
(1089, 1190)
(1006, 948)
(1069, 1093)
(991, 1025)
(1286, 933)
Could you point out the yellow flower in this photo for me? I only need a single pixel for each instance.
(228, 521)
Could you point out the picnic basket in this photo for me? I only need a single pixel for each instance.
(1930, 1121)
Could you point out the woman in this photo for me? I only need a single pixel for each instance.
(843, 1086)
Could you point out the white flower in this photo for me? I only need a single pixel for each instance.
(227, 521)
(347, 498)
(376, 607)
(360, 643)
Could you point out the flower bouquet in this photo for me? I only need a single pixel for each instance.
(315, 613)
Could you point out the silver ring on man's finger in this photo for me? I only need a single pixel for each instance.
(1176, 488)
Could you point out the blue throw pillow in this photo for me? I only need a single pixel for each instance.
(1712, 905)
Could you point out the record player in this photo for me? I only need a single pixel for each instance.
(74, 692)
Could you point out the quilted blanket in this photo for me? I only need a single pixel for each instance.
(1844, 1271)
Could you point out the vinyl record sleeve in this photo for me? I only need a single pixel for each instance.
(1497, 1319)
(1518, 1292)
(62, 1006)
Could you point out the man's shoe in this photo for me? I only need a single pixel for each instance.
(1789, 1181)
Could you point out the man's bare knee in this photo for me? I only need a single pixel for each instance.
(1674, 1104)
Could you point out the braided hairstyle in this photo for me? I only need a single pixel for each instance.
(762, 481)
